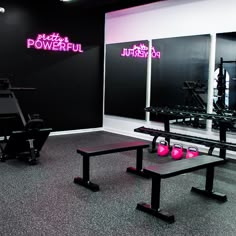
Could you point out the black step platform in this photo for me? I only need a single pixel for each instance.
(88, 152)
(174, 168)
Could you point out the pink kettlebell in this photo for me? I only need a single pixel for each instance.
(192, 152)
(177, 151)
(163, 148)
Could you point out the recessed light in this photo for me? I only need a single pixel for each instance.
(2, 10)
(66, 0)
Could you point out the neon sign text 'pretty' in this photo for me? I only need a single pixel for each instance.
(140, 51)
(53, 42)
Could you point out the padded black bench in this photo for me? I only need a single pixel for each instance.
(170, 169)
(87, 152)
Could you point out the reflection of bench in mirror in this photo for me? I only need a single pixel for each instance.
(26, 144)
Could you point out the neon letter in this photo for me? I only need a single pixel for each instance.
(38, 44)
(30, 42)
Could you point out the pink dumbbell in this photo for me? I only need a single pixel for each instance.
(177, 151)
(192, 152)
(163, 148)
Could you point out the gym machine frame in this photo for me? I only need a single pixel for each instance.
(28, 141)
(221, 85)
(195, 88)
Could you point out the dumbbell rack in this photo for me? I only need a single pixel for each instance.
(224, 122)
(188, 114)
(181, 111)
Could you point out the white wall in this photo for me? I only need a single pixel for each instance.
(170, 18)
(164, 19)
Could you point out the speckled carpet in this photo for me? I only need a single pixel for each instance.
(43, 200)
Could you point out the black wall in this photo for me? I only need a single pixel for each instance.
(125, 88)
(69, 86)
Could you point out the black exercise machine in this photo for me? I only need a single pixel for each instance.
(26, 142)
(221, 85)
(9, 106)
(196, 90)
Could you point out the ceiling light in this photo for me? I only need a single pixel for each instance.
(2, 10)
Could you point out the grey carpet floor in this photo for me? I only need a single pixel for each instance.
(43, 200)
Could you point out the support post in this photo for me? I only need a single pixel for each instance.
(154, 208)
(223, 129)
(167, 128)
(139, 165)
(85, 180)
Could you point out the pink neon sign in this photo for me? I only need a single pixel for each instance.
(53, 42)
(140, 51)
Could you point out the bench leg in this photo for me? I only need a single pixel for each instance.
(85, 180)
(139, 165)
(208, 191)
(154, 208)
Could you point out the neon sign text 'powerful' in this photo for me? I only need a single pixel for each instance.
(53, 42)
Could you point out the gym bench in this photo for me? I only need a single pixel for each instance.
(170, 169)
(87, 152)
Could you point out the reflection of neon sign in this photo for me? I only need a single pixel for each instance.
(140, 51)
(53, 42)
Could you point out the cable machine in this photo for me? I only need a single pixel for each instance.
(221, 86)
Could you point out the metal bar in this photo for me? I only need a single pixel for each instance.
(209, 178)
(228, 61)
(167, 128)
(187, 138)
(86, 167)
(153, 147)
(156, 190)
(223, 129)
(139, 159)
